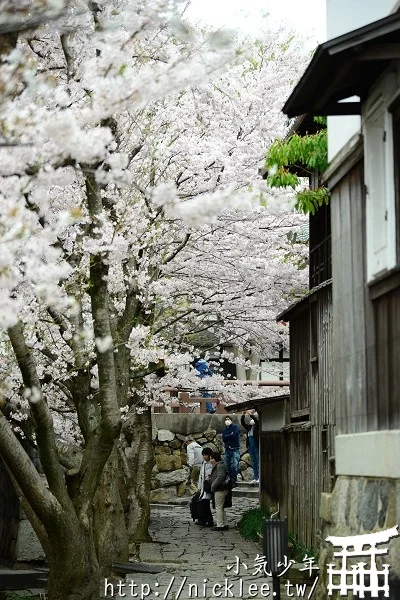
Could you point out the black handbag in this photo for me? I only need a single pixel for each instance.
(194, 503)
(207, 486)
(227, 484)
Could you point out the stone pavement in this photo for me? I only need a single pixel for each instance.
(195, 560)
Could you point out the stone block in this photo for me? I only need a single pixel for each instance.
(28, 547)
(210, 434)
(164, 435)
(162, 450)
(163, 494)
(175, 444)
(171, 478)
(167, 462)
(189, 423)
(212, 446)
(181, 489)
(325, 507)
(247, 474)
(246, 459)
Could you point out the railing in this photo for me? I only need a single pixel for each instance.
(186, 402)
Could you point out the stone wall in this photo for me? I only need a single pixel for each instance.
(360, 505)
(170, 472)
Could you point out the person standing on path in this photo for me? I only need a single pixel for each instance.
(220, 487)
(252, 429)
(194, 458)
(204, 509)
(231, 439)
(203, 370)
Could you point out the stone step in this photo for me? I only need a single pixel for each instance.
(247, 485)
(169, 505)
(240, 492)
(22, 579)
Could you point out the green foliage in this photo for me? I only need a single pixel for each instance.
(308, 201)
(251, 524)
(307, 153)
(299, 550)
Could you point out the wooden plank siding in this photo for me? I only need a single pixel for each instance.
(296, 468)
(273, 471)
(301, 507)
(387, 334)
(349, 311)
(300, 361)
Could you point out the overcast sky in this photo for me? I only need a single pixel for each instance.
(306, 16)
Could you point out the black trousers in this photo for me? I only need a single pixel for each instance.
(204, 511)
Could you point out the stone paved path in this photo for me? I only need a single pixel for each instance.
(196, 560)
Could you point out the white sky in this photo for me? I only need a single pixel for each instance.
(305, 16)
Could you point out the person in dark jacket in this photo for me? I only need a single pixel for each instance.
(249, 421)
(220, 487)
(203, 370)
(231, 439)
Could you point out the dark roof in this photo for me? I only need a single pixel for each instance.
(249, 404)
(343, 67)
(299, 305)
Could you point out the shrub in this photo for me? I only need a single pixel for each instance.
(300, 550)
(251, 524)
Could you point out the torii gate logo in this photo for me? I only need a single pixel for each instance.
(359, 578)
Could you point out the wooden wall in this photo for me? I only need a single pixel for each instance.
(366, 340)
(295, 466)
(386, 309)
(300, 380)
(349, 310)
(273, 471)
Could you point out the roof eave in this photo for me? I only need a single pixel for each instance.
(320, 90)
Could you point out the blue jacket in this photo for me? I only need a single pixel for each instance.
(202, 368)
(231, 437)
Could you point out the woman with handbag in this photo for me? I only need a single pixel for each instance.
(204, 515)
(221, 488)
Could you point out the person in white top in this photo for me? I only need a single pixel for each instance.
(194, 458)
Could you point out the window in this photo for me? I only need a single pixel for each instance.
(395, 110)
(320, 246)
(379, 180)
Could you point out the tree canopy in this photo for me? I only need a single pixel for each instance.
(133, 216)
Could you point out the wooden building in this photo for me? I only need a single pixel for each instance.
(309, 427)
(297, 431)
(364, 181)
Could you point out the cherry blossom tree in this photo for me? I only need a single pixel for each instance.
(132, 215)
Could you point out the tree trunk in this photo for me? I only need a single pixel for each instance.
(140, 459)
(111, 536)
(75, 573)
